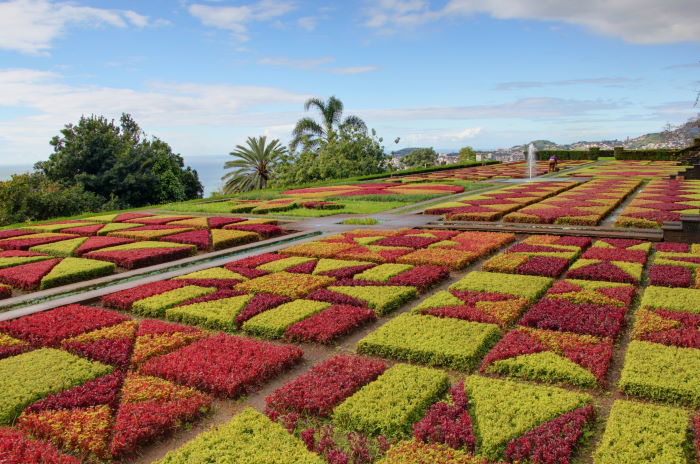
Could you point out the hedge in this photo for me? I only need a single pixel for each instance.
(285, 284)
(662, 373)
(530, 287)
(391, 404)
(157, 304)
(503, 410)
(273, 323)
(644, 433)
(217, 314)
(16, 447)
(382, 299)
(61, 249)
(31, 376)
(431, 340)
(71, 270)
(675, 299)
(415, 452)
(383, 272)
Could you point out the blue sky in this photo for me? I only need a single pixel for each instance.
(203, 75)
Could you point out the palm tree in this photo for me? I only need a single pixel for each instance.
(310, 133)
(252, 166)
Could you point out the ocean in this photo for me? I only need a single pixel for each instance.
(210, 169)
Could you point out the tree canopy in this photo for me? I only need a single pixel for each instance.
(420, 157)
(467, 154)
(309, 134)
(252, 164)
(119, 163)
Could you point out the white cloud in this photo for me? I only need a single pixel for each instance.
(308, 23)
(315, 64)
(236, 18)
(31, 26)
(607, 81)
(635, 21)
(50, 104)
(441, 137)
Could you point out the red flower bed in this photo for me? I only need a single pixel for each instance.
(102, 390)
(585, 318)
(255, 261)
(259, 303)
(303, 268)
(26, 243)
(9, 233)
(50, 327)
(673, 247)
(18, 253)
(114, 351)
(245, 271)
(157, 221)
(335, 298)
(224, 365)
(84, 230)
(132, 259)
(527, 248)
(200, 238)
(329, 324)
(265, 230)
(545, 266)
(448, 424)
(671, 276)
(123, 217)
(603, 270)
(406, 241)
(218, 222)
(17, 448)
(552, 442)
(421, 277)
(27, 276)
(347, 272)
(217, 295)
(95, 243)
(621, 242)
(324, 386)
(125, 298)
(677, 328)
(616, 254)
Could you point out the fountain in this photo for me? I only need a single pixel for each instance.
(531, 161)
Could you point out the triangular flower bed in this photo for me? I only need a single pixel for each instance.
(609, 271)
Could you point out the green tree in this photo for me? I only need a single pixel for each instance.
(252, 164)
(32, 196)
(310, 134)
(118, 162)
(420, 157)
(352, 152)
(467, 154)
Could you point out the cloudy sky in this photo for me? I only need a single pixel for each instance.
(204, 74)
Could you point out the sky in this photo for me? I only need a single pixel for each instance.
(204, 75)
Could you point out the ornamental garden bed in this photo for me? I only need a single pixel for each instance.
(659, 201)
(635, 169)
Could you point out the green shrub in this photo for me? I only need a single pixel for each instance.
(503, 410)
(250, 438)
(391, 404)
(155, 306)
(274, 322)
(28, 377)
(383, 272)
(431, 340)
(284, 263)
(71, 270)
(530, 287)
(382, 300)
(216, 314)
(545, 366)
(644, 433)
(662, 373)
(360, 221)
(675, 299)
(61, 249)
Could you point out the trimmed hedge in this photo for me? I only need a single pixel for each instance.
(285, 284)
(383, 272)
(71, 270)
(530, 287)
(382, 299)
(157, 304)
(217, 314)
(28, 377)
(431, 340)
(250, 438)
(415, 452)
(274, 322)
(675, 299)
(662, 373)
(639, 433)
(391, 404)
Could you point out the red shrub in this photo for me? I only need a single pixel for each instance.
(448, 424)
(17, 448)
(591, 319)
(259, 303)
(27, 276)
(132, 259)
(125, 298)
(102, 390)
(335, 298)
(671, 276)
(616, 254)
(95, 243)
(421, 277)
(255, 261)
(265, 230)
(406, 241)
(199, 237)
(329, 324)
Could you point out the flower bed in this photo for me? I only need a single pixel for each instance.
(490, 206)
(12, 258)
(24, 242)
(30, 376)
(662, 373)
(124, 299)
(609, 271)
(516, 263)
(391, 404)
(152, 232)
(27, 276)
(249, 436)
(224, 365)
(661, 200)
(504, 410)
(586, 204)
(382, 299)
(533, 354)
(673, 299)
(324, 386)
(494, 308)
(528, 287)
(580, 318)
(329, 324)
(157, 304)
(386, 188)
(274, 322)
(70, 270)
(141, 254)
(431, 340)
(588, 291)
(16, 447)
(219, 314)
(415, 452)
(286, 284)
(673, 268)
(637, 433)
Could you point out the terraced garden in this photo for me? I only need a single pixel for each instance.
(399, 343)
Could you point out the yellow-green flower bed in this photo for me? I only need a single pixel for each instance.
(71, 270)
(274, 322)
(382, 299)
(431, 340)
(530, 287)
(155, 306)
(216, 314)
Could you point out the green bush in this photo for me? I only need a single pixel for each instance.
(217, 314)
(382, 300)
(250, 438)
(28, 377)
(644, 433)
(503, 410)
(435, 341)
(274, 322)
(155, 306)
(662, 373)
(391, 404)
(61, 249)
(383, 272)
(675, 299)
(530, 287)
(71, 270)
